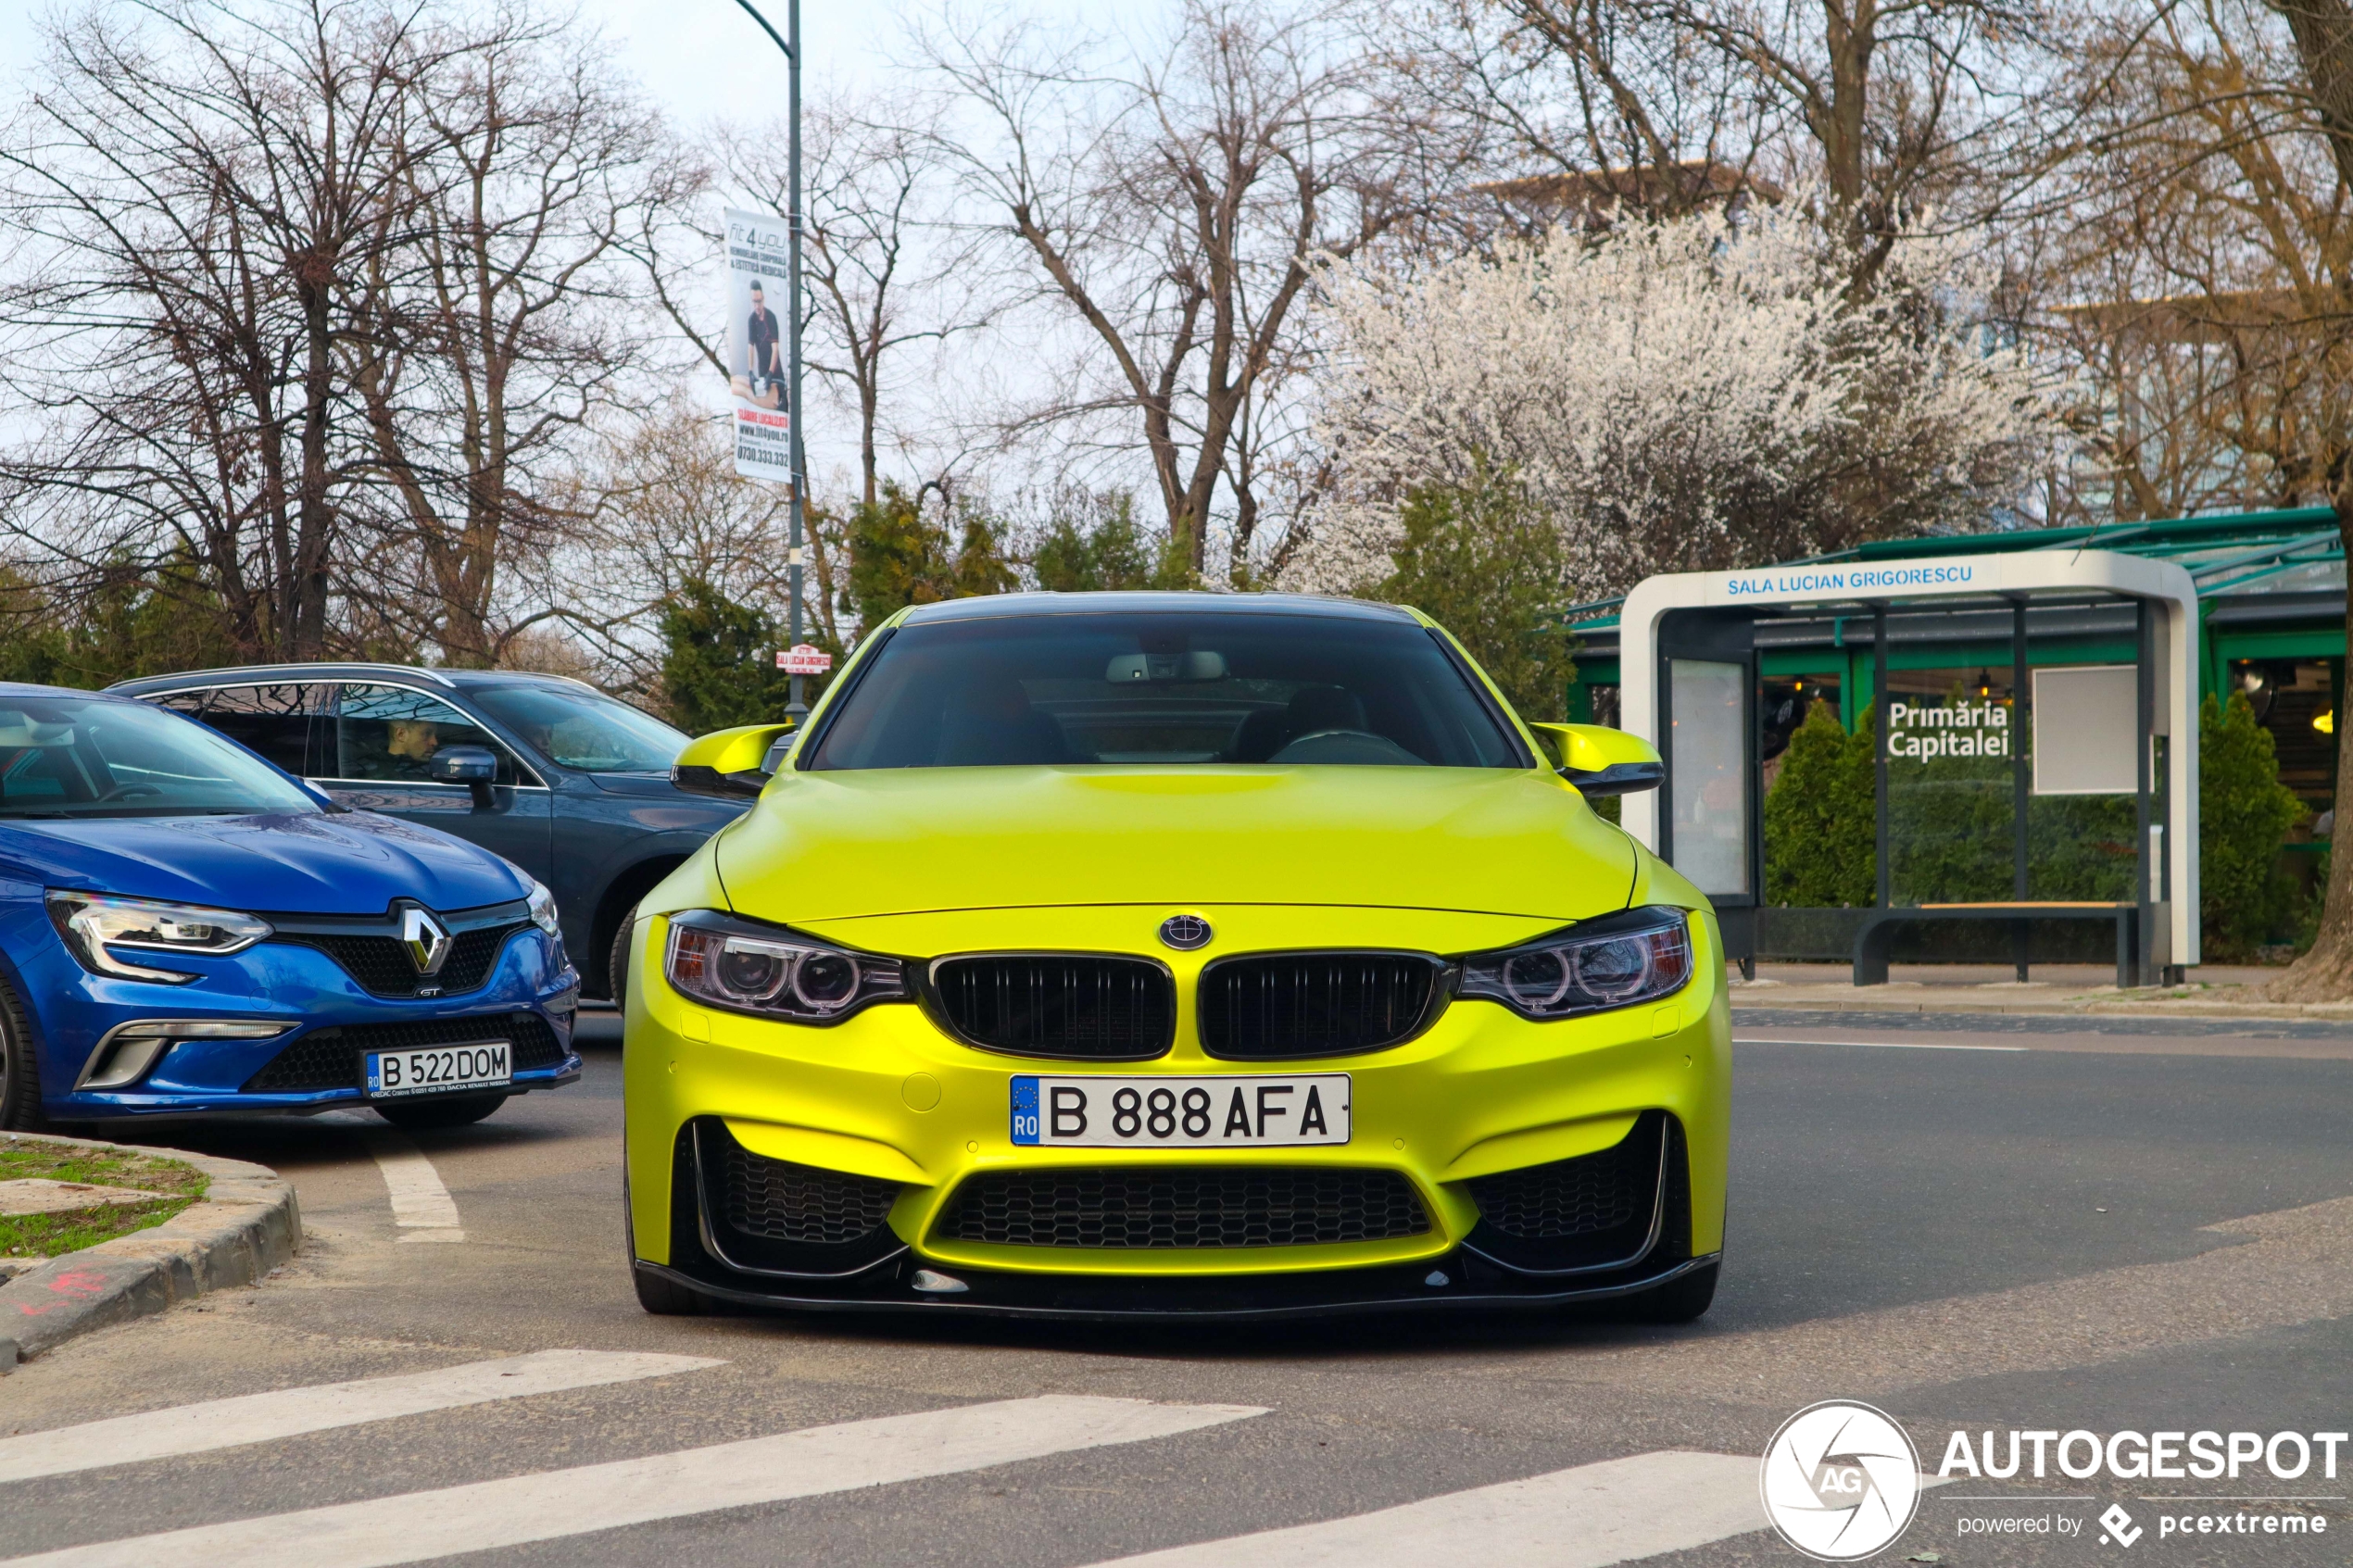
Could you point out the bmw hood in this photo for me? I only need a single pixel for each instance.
(830, 846)
(307, 863)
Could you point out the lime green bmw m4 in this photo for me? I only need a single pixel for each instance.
(1176, 955)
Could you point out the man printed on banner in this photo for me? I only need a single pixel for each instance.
(763, 352)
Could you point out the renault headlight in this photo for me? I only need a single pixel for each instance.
(99, 929)
(543, 909)
(1614, 962)
(774, 974)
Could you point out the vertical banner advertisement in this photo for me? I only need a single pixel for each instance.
(757, 344)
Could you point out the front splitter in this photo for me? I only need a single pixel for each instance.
(1471, 1285)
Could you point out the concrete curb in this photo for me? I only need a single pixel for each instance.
(1922, 998)
(247, 1224)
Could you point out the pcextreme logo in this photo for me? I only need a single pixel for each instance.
(1839, 1481)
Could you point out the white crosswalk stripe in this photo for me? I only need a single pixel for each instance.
(287, 1412)
(421, 1205)
(1618, 1511)
(416, 1526)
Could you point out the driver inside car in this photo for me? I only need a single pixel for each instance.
(1312, 709)
(415, 739)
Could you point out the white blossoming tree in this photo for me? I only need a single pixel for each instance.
(1693, 394)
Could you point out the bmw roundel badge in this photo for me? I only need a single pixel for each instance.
(1185, 933)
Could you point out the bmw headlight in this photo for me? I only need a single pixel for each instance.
(99, 929)
(774, 974)
(1614, 962)
(543, 909)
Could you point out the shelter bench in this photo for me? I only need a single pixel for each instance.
(1877, 936)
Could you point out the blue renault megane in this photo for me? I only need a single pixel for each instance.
(185, 929)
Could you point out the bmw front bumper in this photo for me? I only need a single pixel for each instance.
(889, 1099)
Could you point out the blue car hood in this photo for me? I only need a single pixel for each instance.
(353, 863)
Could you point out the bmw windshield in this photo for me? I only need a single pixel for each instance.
(61, 757)
(1163, 687)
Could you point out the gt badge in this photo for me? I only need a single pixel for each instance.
(426, 938)
(1185, 933)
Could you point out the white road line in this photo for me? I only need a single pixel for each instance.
(286, 1412)
(1881, 1045)
(1588, 1517)
(418, 1201)
(416, 1526)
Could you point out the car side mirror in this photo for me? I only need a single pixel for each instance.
(476, 767)
(1600, 761)
(731, 764)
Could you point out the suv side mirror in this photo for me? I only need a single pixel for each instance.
(732, 764)
(1600, 761)
(476, 767)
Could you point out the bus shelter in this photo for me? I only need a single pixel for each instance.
(2006, 791)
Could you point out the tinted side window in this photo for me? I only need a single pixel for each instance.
(283, 722)
(391, 733)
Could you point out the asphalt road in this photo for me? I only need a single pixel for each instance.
(2089, 1226)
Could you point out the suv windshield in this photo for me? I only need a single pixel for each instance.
(1165, 687)
(581, 729)
(99, 757)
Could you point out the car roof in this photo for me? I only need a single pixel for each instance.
(256, 675)
(995, 605)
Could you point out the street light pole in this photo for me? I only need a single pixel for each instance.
(796, 708)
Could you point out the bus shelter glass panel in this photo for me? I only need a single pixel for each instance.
(2082, 814)
(1806, 755)
(1709, 768)
(1951, 747)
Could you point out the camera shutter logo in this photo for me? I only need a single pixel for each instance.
(1839, 1481)
(426, 938)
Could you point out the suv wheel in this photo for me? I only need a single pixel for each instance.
(617, 960)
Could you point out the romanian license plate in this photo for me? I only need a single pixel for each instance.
(1163, 1111)
(478, 1064)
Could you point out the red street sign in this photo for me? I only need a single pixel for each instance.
(803, 659)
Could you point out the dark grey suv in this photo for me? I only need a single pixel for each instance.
(562, 779)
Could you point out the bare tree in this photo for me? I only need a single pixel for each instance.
(661, 510)
(1588, 105)
(1176, 208)
(1892, 109)
(197, 193)
(500, 314)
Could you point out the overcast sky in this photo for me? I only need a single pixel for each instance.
(695, 55)
(700, 57)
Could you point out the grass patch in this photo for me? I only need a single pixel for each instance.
(69, 1229)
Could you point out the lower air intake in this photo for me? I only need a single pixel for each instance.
(765, 1216)
(1594, 1192)
(777, 1200)
(1183, 1209)
(1599, 1210)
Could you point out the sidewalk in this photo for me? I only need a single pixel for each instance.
(2214, 991)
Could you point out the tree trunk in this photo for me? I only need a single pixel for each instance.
(2323, 31)
(2325, 974)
